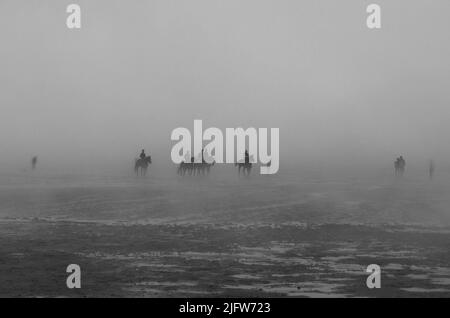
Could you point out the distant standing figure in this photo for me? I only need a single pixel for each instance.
(34, 162)
(400, 165)
(431, 169)
(142, 155)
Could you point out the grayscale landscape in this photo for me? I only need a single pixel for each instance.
(78, 106)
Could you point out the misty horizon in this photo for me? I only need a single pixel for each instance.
(100, 94)
(341, 188)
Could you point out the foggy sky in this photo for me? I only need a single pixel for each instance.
(138, 69)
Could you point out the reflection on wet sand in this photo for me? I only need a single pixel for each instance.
(282, 239)
(289, 260)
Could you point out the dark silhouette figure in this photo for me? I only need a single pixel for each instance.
(202, 168)
(246, 166)
(195, 168)
(182, 168)
(142, 163)
(400, 165)
(142, 155)
(431, 169)
(186, 167)
(34, 162)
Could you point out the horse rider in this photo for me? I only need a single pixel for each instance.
(143, 155)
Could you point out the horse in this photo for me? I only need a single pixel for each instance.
(194, 168)
(142, 163)
(183, 167)
(203, 168)
(246, 167)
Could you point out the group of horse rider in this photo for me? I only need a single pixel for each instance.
(196, 168)
(204, 166)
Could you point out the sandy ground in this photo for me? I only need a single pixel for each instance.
(243, 237)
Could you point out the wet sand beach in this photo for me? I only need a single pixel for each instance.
(232, 237)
